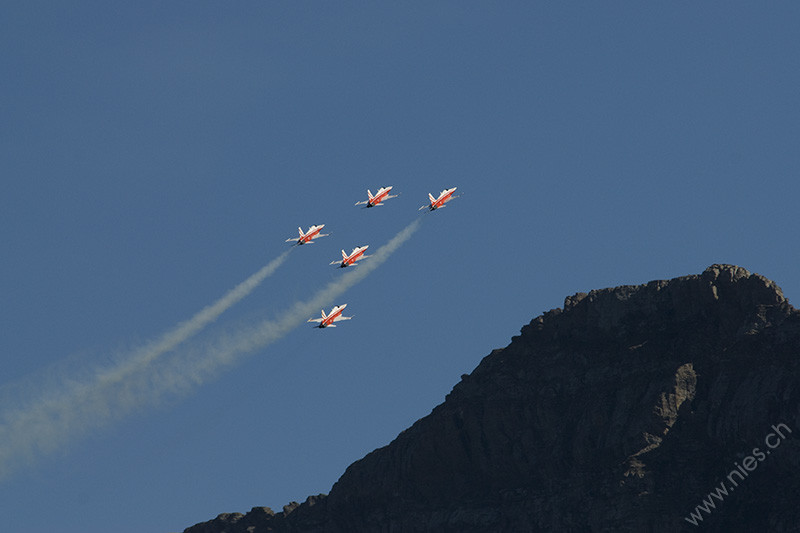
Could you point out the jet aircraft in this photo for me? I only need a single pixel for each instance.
(306, 238)
(327, 321)
(350, 260)
(444, 197)
(374, 201)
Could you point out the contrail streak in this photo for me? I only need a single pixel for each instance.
(144, 380)
(189, 328)
(51, 419)
(195, 370)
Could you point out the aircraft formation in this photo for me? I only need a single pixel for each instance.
(348, 260)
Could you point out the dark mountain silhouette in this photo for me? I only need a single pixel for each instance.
(623, 411)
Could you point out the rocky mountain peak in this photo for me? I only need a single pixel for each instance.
(619, 412)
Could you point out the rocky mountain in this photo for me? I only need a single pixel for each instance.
(668, 406)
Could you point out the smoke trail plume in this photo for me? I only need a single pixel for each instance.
(52, 418)
(198, 368)
(189, 328)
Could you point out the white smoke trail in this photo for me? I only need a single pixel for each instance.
(194, 369)
(189, 328)
(55, 416)
(53, 420)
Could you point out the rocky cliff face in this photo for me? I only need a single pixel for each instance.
(623, 411)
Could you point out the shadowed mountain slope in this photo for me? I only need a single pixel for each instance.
(622, 411)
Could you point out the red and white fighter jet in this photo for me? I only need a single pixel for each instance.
(306, 238)
(374, 201)
(444, 197)
(350, 260)
(327, 321)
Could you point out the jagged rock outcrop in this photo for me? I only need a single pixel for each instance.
(620, 412)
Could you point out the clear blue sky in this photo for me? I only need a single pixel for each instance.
(154, 155)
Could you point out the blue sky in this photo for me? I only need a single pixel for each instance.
(155, 155)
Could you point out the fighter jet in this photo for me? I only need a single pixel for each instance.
(350, 260)
(444, 197)
(327, 321)
(374, 201)
(306, 238)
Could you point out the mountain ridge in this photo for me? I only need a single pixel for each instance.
(620, 411)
